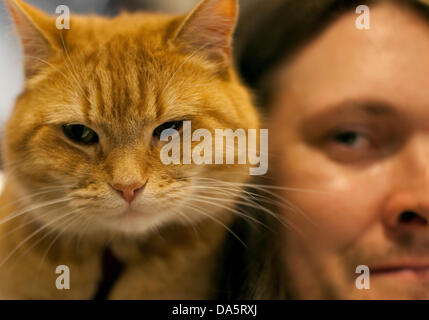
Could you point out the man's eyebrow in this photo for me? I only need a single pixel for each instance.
(347, 109)
(369, 107)
(376, 107)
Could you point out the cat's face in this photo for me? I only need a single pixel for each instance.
(85, 132)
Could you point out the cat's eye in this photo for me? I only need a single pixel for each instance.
(176, 125)
(80, 134)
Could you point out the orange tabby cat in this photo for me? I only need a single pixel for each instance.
(82, 155)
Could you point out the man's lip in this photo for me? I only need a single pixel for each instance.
(400, 266)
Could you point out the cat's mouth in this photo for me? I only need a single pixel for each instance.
(131, 212)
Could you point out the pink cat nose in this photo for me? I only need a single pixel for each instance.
(128, 191)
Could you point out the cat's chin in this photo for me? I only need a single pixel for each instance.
(130, 214)
(135, 222)
(138, 223)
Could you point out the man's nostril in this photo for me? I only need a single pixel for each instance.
(411, 217)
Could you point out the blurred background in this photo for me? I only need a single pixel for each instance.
(11, 73)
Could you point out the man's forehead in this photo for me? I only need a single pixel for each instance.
(391, 40)
(373, 65)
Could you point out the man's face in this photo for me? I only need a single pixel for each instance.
(349, 132)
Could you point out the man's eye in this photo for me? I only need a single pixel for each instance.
(80, 134)
(351, 139)
(176, 125)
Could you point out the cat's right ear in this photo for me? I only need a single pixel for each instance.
(209, 29)
(37, 31)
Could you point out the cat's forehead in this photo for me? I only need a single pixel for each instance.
(129, 75)
(133, 85)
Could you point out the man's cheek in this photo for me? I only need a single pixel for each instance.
(332, 217)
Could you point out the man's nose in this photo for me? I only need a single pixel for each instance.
(407, 207)
(129, 191)
(406, 212)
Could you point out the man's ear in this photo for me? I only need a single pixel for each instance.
(209, 28)
(38, 34)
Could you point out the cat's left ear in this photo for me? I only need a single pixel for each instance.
(209, 28)
(38, 34)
